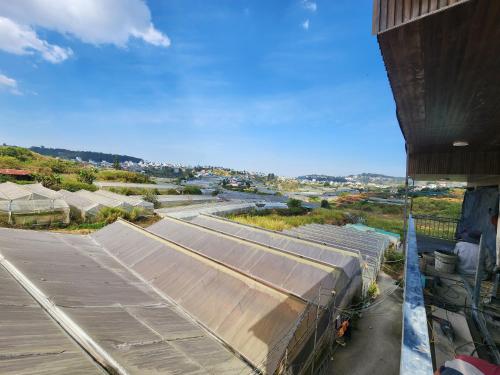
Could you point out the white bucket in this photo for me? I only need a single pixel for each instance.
(445, 262)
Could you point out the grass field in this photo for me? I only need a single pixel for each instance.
(386, 217)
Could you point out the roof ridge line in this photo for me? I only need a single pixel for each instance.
(223, 265)
(326, 247)
(276, 249)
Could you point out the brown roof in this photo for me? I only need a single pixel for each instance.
(15, 172)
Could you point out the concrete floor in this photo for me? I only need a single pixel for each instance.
(375, 344)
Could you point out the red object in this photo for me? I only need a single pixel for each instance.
(482, 365)
(15, 172)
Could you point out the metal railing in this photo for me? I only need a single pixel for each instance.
(437, 227)
(415, 347)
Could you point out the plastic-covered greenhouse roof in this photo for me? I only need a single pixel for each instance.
(207, 208)
(254, 319)
(10, 191)
(295, 275)
(102, 200)
(370, 245)
(101, 303)
(349, 261)
(34, 206)
(41, 192)
(79, 201)
(134, 202)
(30, 341)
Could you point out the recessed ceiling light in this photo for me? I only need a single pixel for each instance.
(460, 143)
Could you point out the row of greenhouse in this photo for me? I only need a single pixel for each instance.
(34, 204)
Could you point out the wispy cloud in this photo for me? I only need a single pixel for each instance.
(91, 21)
(310, 5)
(9, 84)
(305, 24)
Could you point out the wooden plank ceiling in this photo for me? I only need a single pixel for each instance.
(444, 70)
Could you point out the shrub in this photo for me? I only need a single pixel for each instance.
(18, 153)
(373, 290)
(150, 196)
(87, 175)
(123, 176)
(51, 181)
(109, 215)
(10, 162)
(294, 203)
(71, 185)
(192, 189)
(325, 204)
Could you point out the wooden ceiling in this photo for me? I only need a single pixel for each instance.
(444, 70)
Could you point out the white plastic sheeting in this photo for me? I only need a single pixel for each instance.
(81, 208)
(132, 201)
(104, 201)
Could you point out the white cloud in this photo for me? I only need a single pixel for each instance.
(91, 21)
(305, 25)
(310, 5)
(22, 40)
(9, 84)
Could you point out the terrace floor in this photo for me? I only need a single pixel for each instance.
(429, 245)
(375, 340)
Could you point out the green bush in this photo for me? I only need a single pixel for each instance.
(123, 176)
(77, 185)
(19, 153)
(325, 204)
(87, 175)
(109, 215)
(294, 203)
(10, 162)
(192, 189)
(50, 181)
(150, 196)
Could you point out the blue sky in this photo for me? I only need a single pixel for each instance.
(291, 87)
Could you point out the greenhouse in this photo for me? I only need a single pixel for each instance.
(132, 201)
(103, 200)
(370, 245)
(81, 208)
(31, 204)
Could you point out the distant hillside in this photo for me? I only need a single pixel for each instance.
(375, 178)
(84, 155)
(362, 178)
(322, 178)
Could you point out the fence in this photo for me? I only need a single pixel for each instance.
(437, 227)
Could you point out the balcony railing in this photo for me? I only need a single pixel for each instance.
(415, 347)
(444, 228)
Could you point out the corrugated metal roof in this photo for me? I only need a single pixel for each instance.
(136, 326)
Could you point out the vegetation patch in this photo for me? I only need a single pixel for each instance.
(123, 176)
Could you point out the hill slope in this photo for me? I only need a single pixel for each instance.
(84, 155)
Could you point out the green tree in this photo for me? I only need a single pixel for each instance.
(87, 175)
(325, 204)
(294, 203)
(116, 164)
(50, 181)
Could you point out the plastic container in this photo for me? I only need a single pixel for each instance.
(445, 262)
